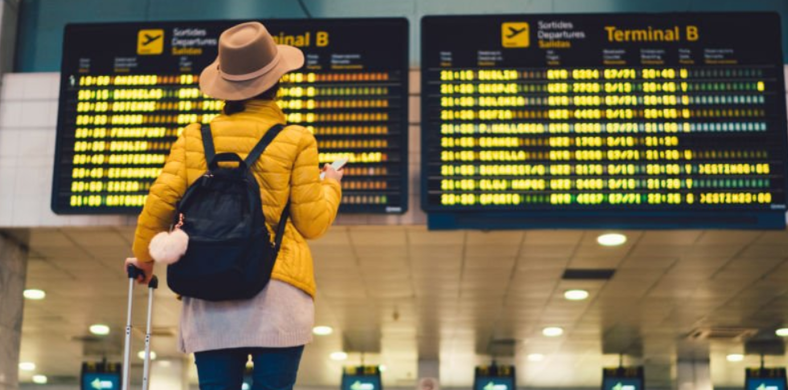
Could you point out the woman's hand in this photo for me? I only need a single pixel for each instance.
(332, 173)
(146, 267)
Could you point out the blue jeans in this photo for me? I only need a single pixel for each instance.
(223, 369)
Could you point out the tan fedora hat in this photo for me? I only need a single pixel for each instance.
(249, 63)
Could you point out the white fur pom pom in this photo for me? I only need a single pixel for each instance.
(168, 248)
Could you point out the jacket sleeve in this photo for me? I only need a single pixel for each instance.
(159, 210)
(313, 202)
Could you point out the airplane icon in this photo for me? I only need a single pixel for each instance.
(513, 32)
(150, 39)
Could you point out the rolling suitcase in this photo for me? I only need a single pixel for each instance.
(133, 273)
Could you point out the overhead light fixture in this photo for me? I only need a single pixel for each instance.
(575, 295)
(782, 332)
(322, 330)
(535, 357)
(165, 363)
(735, 357)
(141, 355)
(27, 366)
(382, 368)
(99, 329)
(552, 331)
(611, 239)
(34, 294)
(338, 356)
(40, 379)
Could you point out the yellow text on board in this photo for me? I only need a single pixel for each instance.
(650, 34)
(150, 42)
(302, 40)
(515, 35)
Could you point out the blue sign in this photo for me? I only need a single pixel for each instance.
(622, 384)
(494, 383)
(101, 381)
(361, 382)
(766, 384)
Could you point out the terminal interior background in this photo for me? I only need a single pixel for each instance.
(421, 303)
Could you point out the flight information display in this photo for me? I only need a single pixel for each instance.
(623, 378)
(765, 379)
(128, 90)
(603, 121)
(494, 377)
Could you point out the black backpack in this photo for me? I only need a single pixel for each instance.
(230, 255)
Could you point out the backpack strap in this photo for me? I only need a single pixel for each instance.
(207, 143)
(280, 230)
(258, 149)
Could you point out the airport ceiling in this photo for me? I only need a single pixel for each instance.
(400, 294)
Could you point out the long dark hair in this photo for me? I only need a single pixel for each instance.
(236, 106)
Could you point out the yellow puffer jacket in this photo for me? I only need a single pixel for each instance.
(288, 168)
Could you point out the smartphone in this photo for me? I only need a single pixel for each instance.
(337, 165)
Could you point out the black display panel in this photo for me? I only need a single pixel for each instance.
(494, 377)
(128, 89)
(623, 378)
(603, 121)
(765, 379)
(361, 378)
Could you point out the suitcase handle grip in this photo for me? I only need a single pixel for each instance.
(134, 272)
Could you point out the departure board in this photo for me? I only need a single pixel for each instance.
(603, 121)
(128, 89)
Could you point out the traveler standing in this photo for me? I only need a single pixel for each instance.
(274, 326)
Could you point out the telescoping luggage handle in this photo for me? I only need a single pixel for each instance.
(134, 273)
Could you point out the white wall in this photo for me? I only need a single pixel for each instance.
(28, 117)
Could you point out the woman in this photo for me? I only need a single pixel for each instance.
(274, 326)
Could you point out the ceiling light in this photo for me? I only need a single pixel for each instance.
(552, 331)
(34, 294)
(40, 379)
(165, 363)
(141, 355)
(382, 368)
(535, 357)
(338, 355)
(322, 330)
(245, 386)
(735, 357)
(575, 295)
(611, 239)
(99, 329)
(782, 332)
(27, 366)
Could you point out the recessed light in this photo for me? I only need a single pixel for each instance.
(382, 368)
(164, 363)
(735, 357)
(782, 332)
(34, 294)
(27, 366)
(141, 355)
(535, 357)
(552, 331)
(322, 330)
(338, 356)
(40, 379)
(99, 329)
(575, 295)
(611, 239)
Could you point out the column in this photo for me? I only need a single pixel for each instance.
(429, 374)
(13, 268)
(693, 375)
(9, 14)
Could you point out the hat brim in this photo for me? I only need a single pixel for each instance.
(215, 86)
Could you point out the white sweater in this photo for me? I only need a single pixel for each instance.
(280, 316)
